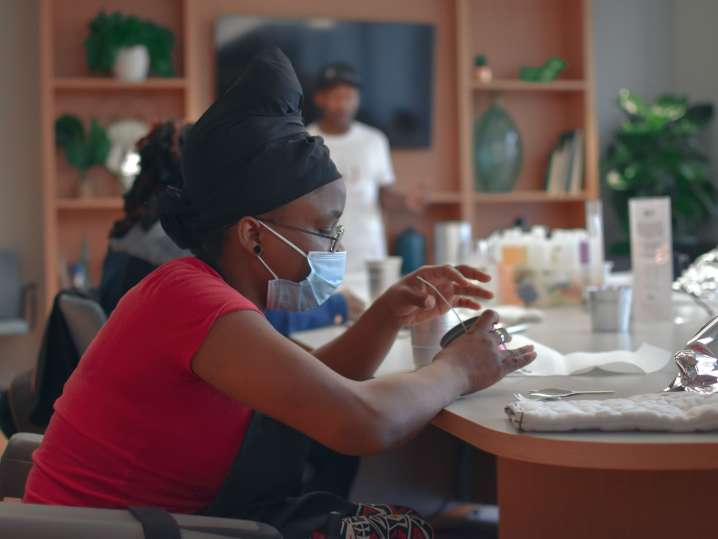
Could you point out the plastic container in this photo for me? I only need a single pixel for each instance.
(610, 308)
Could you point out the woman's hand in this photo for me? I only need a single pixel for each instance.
(411, 302)
(478, 354)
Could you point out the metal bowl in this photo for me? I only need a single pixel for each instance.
(460, 329)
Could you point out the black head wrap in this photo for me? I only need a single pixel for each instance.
(248, 154)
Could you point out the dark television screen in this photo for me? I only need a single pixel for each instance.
(394, 60)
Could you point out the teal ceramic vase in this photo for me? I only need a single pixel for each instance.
(497, 151)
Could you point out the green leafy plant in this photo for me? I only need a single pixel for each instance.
(83, 149)
(113, 31)
(655, 153)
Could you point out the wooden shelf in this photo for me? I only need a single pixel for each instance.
(527, 196)
(70, 84)
(89, 204)
(66, 87)
(523, 86)
(443, 197)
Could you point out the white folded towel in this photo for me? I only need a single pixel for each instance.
(671, 412)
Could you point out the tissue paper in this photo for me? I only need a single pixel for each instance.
(550, 362)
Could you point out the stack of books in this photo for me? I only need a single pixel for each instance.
(564, 174)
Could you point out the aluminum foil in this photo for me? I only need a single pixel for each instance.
(698, 362)
(700, 281)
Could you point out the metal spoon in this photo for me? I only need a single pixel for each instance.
(555, 393)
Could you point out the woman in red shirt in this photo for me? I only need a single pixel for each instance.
(188, 399)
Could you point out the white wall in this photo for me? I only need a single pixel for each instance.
(633, 48)
(696, 65)
(20, 191)
(654, 47)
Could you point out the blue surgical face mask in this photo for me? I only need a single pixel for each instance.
(325, 276)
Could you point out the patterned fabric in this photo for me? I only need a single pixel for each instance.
(382, 522)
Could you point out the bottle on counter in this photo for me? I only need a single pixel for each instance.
(411, 247)
(594, 229)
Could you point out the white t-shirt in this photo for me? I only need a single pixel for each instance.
(362, 158)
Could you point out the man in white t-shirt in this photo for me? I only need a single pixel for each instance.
(361, 154)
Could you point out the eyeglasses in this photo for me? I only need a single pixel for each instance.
(334, 238)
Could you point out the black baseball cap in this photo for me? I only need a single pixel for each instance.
(338, 73)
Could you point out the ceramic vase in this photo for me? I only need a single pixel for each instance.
(497, 151)
(132, 64)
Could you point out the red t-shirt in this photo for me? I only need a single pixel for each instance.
(135, 425)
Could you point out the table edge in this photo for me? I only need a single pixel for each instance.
(578, 453)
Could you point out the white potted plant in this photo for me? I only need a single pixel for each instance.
(128, 47)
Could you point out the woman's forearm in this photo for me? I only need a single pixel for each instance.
(358, 352)
(390, 410)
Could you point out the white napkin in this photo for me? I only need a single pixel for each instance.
(672, 412)
(550, 362)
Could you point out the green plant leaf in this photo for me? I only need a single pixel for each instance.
(620, 205)
(669, 107)
(620, 248)
(98, 145)
(639, 128)
(68, 128)
(76, 155)
(616, 181)
(100, 46)
(692, 171)
(82, 150)
(705, 193)
(631, 103)
(700, 114)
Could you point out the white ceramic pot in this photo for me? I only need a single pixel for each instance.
(132, 63)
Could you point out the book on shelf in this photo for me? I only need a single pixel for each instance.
(564, 173)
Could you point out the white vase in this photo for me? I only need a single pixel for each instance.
(132, 63)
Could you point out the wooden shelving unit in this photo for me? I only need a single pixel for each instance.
(89, 204)
(511, 33)
(69, 84)
(527, 196)
(68, 88)
(443, 197)
(523, 86)
(514, 33)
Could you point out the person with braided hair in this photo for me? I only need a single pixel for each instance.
(137, 242)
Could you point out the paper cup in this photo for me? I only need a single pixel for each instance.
(426, 338)
(382, 274)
